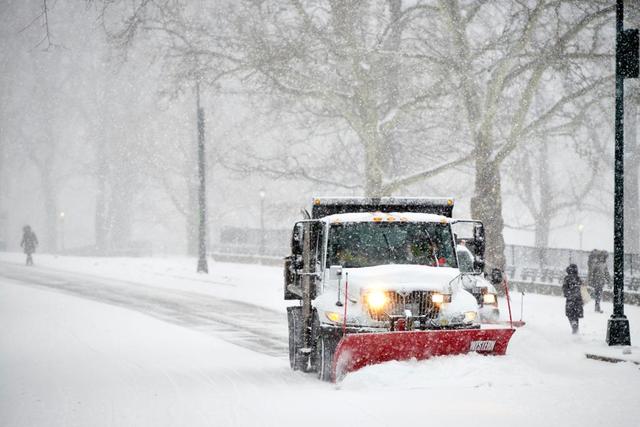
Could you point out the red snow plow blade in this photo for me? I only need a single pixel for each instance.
(355, 351)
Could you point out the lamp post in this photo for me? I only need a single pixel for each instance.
(262, 194)
(627, 66)
(202, 201)
(580, 230)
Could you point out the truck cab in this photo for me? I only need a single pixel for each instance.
(374, 265)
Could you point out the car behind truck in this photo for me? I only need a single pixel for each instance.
(379, 280)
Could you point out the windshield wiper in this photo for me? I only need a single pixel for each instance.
(388, 245)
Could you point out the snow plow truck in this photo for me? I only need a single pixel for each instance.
(377, 280)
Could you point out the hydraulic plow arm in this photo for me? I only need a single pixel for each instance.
(354, 351)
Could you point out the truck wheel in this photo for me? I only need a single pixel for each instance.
(297, 360)
(325, 349)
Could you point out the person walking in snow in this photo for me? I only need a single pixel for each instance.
(571, 291)
(29, 243)
(599, 276)
(591, 261)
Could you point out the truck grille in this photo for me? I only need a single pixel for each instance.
(419, 302)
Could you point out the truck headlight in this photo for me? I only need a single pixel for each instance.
(470, 316)
(440, 298)
(376, 299)
(489, 298)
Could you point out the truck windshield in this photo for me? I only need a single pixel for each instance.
(366, 244)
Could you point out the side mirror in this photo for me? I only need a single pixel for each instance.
(478, 239)
(296, 240)
(478, 265)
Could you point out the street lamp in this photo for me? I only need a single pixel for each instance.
(580, 230)
(627, 66)
(262, 194)
(202, 194)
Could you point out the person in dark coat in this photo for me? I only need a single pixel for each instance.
(571, 291)
(599, 277)
(29, 243)
(591, 261)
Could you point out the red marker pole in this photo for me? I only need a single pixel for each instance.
(506, 290)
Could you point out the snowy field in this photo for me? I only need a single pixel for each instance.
(129, 342)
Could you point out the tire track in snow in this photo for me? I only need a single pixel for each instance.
(246, 325)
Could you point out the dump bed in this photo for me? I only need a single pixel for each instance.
(324, 206)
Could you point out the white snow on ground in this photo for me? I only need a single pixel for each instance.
(69, 361)
(257, 284)
(66, 361)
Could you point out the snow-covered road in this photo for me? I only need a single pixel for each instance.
(156, 348)
(257, 328)
(67, 361)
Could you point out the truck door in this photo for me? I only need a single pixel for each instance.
(303, 268)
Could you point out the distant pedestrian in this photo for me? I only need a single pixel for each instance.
(29, 243)
(593, 256)
(571, 291)
(599, 276)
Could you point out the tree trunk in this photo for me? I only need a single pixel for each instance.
(544, 214)
(192, 219)
(543, 226)
(121, 215)
(191, 208)
(373, 168)
(391, 88)
(373, 142)
(486, 205)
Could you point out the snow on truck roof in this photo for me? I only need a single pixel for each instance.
(326, 206)
(385, 217)
(332, 200)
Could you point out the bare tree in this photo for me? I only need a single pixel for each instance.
(347, 72)
(549, 190)
(502, 72)
(435, 83)
(600, 145)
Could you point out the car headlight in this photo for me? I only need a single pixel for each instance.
(376, 299)
(489, 298)
(470, 316)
